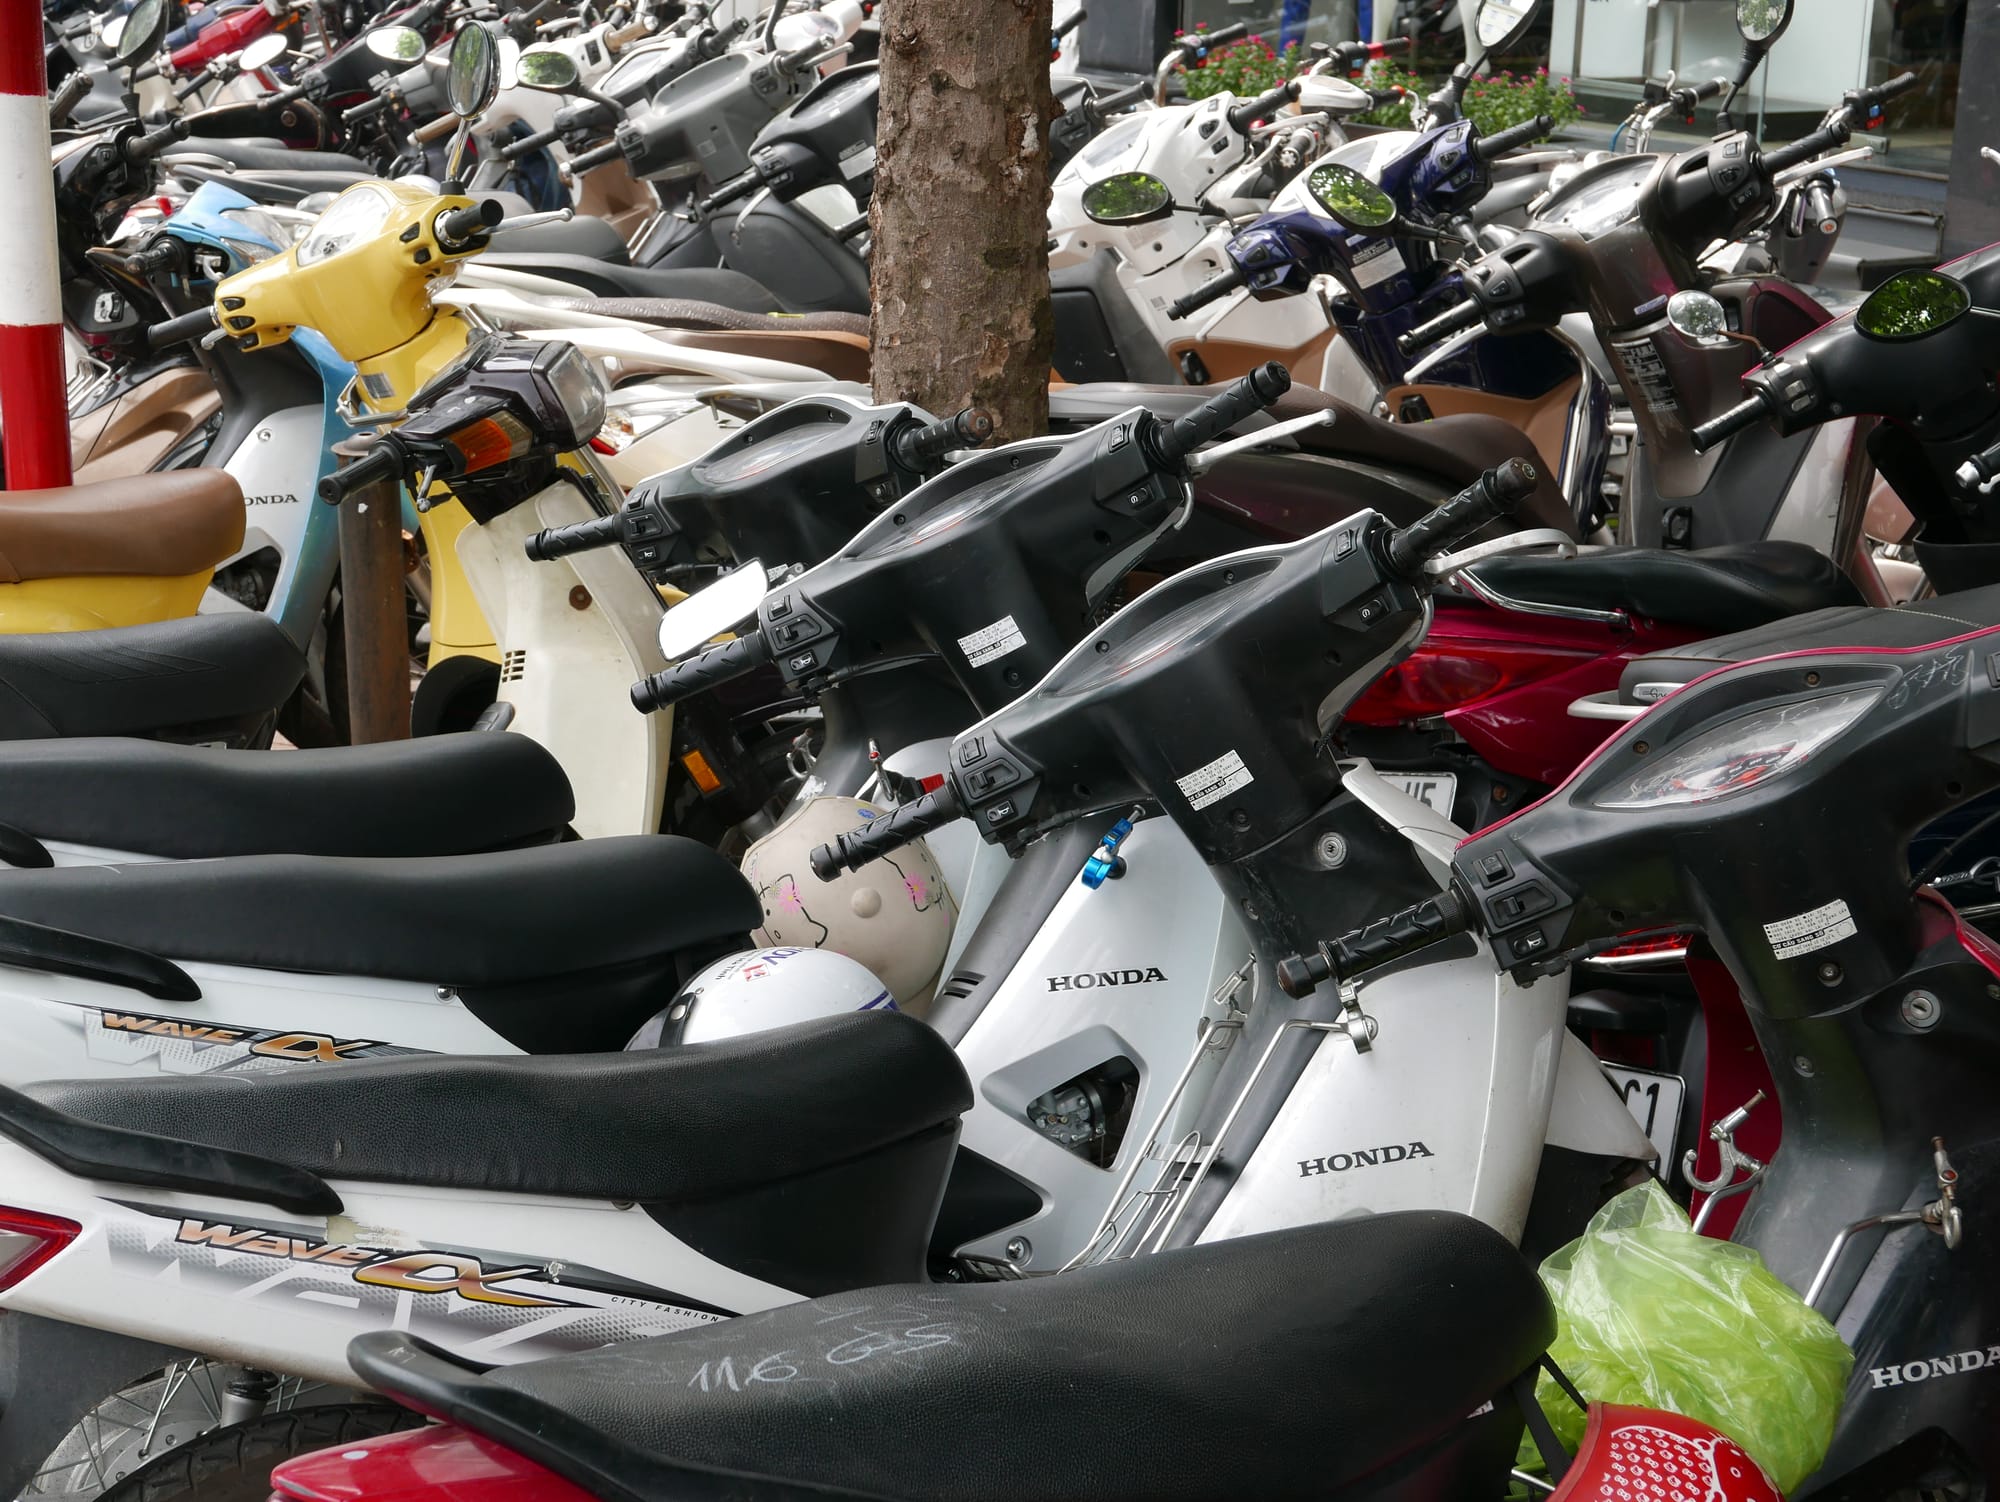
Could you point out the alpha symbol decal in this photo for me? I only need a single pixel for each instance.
(1364, 1157)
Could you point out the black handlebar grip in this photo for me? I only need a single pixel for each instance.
(146, 70)
(1241, 117)
(367, 109)
(140, 148)
(1252, 393)
(1701, 91)
(685, 679)
(740, 186)
(1503, 141)
(1494, 494)
(597, 156)
(920, 447)
(1206, 293)
(156, 257)
(527, 144)
(1806, 148)
(68, 97)
(1235, 31)
(876, 838)
(1382, 942)
(382, 462)
(175, 330)
(457, 226)
(577, 537)
(1110, 104)
(1883, 92)
(286, 96)
(1744, 414)
(1450, 321)
(1384, 96)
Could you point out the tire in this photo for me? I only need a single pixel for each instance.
(234, 1464)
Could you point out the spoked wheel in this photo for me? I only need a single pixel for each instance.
(234, 1463)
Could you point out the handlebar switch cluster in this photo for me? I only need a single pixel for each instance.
(1522, 910)
(996, 786)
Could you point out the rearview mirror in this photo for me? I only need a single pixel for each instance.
(1353, 201)
(262, 53)
(472, 77)
(1912, 304)
(705, 615)
(396, 44)
(1127, 198)
(1763, 21)
(145, 28)
(547, 69)
(1336, 96)
(1501, 24)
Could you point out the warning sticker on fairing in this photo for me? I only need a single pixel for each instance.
(1792, 937)
(1217, 780)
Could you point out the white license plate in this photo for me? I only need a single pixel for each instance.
(1435, 788)
(1655, 1103)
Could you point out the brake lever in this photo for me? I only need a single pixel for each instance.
(1203, 460)
(532, 221)
(1462, 340)
(1514, 542)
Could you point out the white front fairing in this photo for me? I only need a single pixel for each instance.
(527, 1277)
(277, 467)
(577, 633)
(1170, 144)
(1166, 938)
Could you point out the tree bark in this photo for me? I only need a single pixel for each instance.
(960, 215)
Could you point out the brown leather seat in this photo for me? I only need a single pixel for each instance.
(164, 525)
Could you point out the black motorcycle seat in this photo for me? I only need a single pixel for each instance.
(1245, 1368)
(267, 156)
(1457, 450)
(135, 680)
(586, 235)
(1921, 623)
(463, 921)
(441, 795)
(601, 278)
(708, 317)
(668, 1124)
(1728, 588)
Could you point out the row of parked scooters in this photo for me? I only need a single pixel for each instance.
(1025, 1016)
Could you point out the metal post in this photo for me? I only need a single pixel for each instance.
(373, 615)
(32, 396)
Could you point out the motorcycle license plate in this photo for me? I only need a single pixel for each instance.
(1655, 1103)
(1435, 788)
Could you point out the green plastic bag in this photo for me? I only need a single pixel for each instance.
(1653, 1315)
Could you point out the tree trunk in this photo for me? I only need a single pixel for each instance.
(960, 217)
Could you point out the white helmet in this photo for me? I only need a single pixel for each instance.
(762, 989)
(894, 915)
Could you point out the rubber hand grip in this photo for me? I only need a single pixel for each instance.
(1498, 492)
(140, 148)
(876, 838)
(1247, 114)
(1110, 104)
(1206, 293)
(1173, 442)
(1883, 92)
(1451, 321)
(366, 110)
(597, 156)
(577, 537)
(1503, 141)
(457, 227)
(527, 144)
(740, 186)
(382, 462)
(918, 448)
(1235, 31)
(68, 97)
(176, 330)
(1744, 414)
(715, 666)
(1805, 148)
(1382, 942)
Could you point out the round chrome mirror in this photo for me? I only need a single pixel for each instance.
(1354, 201)
(546, 69)
(472, 77)
(262, 53)
(145, 28)
(1499, 24)
(1912, 304)
(396, 44)
(1697, 316)
(1762, 21)
(1127, 198)
(723, 606)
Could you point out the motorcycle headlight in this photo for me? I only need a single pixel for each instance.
(262, 235)
(354, 216)
(1742, 753)
(581, 390)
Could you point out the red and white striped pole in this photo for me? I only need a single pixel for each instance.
(34, 407)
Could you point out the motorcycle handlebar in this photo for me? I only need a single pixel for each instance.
(1110, 104)
(1451, 321)
(382, 462)
(1416, 927)
(142, 148)
(1805, 148)
(1206, 293)
(1501, 142)
(876, 838)
(740, 186)
(527, 144)
(365, 110)
(1743, 415)
(1196, 41)
(1173, 442)
(1496, 493)
(1688, 98)
(1241, 117)
(597, 156)
(920, 447)
(577, 537)
(68, 97)
(456, 227)
(1883, 92)
(176, 330)
(715, 666)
